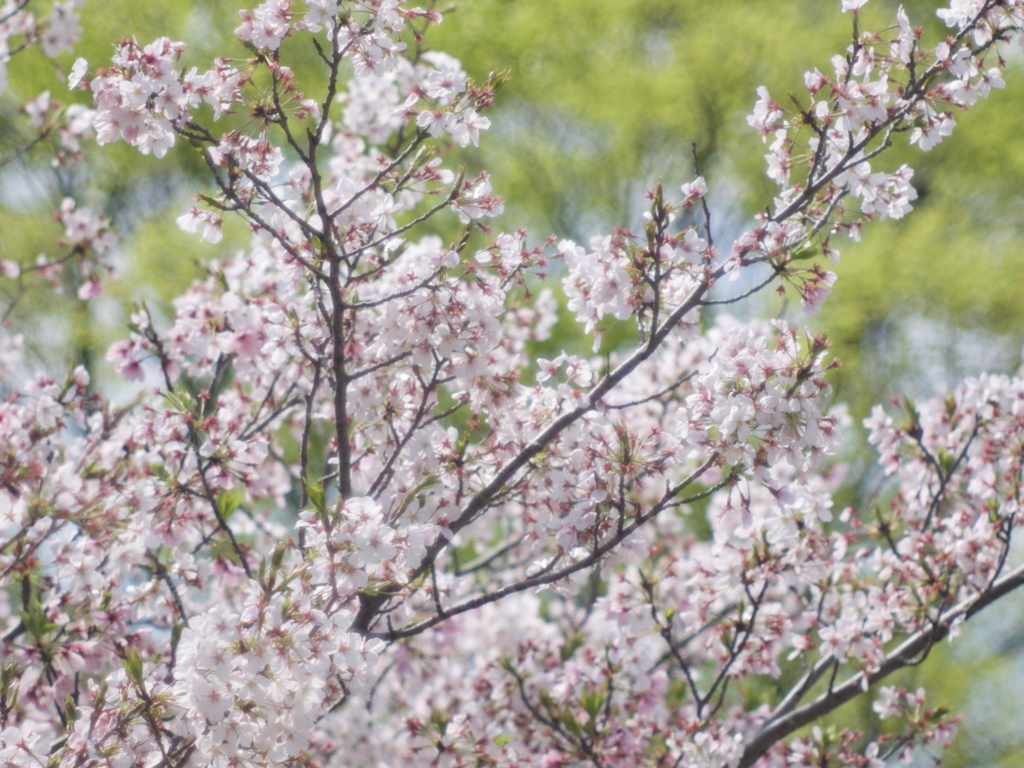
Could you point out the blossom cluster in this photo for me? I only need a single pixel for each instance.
(824, 151)
(19, 27)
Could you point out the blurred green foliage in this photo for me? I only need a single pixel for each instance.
(608, 96)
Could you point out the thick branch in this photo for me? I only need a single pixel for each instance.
(904, 655)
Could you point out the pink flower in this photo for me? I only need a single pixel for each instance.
(90, 289)
(78, 71)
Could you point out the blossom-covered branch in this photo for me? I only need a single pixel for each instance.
(357, 519)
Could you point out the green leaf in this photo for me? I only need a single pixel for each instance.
(70, 709)
(572, 643)
(230, 500)
(182, 401)
(427, 482)
(315, 491)
(547, 702)
(101, 696)
(6, 678)
(592, 702)
(133, 665)
(439, 719)
(804, 251)
(34, 619)
(571, 724)
(277, 557)
(176, 631)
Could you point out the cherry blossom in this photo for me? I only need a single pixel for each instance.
(352, 517)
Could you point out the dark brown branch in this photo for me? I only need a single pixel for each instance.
(906, 654)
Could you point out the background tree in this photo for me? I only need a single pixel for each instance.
(605, 98)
